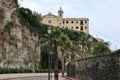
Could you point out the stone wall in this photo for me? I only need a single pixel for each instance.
(98, 68)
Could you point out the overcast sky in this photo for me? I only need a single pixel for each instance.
(104, 15)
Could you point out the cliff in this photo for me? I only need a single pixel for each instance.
(18, 46)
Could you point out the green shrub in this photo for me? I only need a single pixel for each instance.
(21, 70)
(41, 70)
(15, 70)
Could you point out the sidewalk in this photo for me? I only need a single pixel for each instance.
(22, 75)
(68, 78)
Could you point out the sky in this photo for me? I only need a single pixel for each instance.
(104, 15)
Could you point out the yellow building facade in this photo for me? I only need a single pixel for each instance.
(77, 24)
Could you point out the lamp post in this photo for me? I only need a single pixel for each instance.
(49, 49)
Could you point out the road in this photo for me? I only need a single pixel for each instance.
(32, 78)
(37, 78)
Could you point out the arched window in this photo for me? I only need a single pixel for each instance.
(67, 22)
(63, 22)
(49, 21)
(81, 28)
(72, 22)
(81, 23)
(60, 15)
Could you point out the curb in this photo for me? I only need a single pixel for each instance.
(13, 76)
(23, 75)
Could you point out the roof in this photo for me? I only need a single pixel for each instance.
(49, 14)
(75, 19)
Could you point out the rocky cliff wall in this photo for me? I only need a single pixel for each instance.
(19, 47)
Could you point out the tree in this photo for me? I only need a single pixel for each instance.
(100, 49)
(80, 38)
(58, 38)
(65, 45)
(83, 41)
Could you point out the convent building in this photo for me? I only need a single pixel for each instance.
(77, 24)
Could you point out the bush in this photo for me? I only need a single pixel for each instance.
(41, 70)
(15, 70)
(21, 70)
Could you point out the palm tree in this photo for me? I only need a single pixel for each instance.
(65, 45)
(56, 38)
(80, 39)
(83, 41)
(100, 49)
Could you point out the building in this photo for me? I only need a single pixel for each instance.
(77, 24)
(100, 40)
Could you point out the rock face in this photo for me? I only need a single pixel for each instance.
(18, 47)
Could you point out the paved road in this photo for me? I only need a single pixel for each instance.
(32, 78)
(36, 78)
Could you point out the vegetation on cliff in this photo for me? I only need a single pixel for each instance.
(32, 21)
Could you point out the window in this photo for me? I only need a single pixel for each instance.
(81, 28)
(72, 22)
(49, 21)
(63, 22)
(60, 15)
(85, 22)
(81, 23)
(67, 22)
(77, 27)
(85, 27)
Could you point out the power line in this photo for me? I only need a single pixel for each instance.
(106, 36)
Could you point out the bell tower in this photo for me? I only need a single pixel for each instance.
(60, 13)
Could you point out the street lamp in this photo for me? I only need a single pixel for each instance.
(49, 30)
(49, 49)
